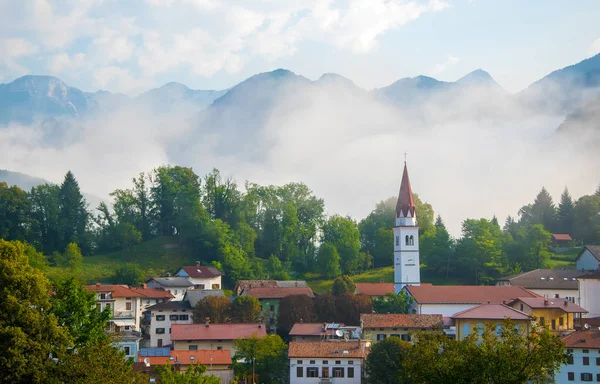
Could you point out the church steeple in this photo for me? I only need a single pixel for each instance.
(405, 206)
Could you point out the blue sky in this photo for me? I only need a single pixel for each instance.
(131, 46)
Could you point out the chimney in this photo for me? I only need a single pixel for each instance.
(545, 302)
(144, 286)
(197, 264)
(259, 325)
(489, 302)
(98, 285)
(168, 274)
(206, 322)
(296, 284)
(566, 303)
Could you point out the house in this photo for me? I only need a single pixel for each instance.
(474, 319)
(150, 296)
(561, 240)
(178, 286)
(163, 316)
(195, 295)
(212, 336)
(269, 299)
(583, 364)
(340, 362)
(588, 258)
(451, 299)
(323, 332)
(377, 327)
(202, 277)
(555, 314)
(550, 283)
(589, 290)
(216, 362)
(242, 285)
(374, 290)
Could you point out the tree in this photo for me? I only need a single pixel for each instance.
(501, 354)
(293, 309)
(276, 269)
(325, 308)
(384, 362)
(221, 198)
(565, 213)
(393, 303)
(216, 308)
(130, 274)
(343, 284)
(343, 234)
(537, 241)
(349, 307)
(245, 309)
(14, 207)
(74, 217)
(542, 211)
(376, 233)
(597, 193)
(195, 374)
(441, 253)
(75, 308)
(73, 256)
(29, 331)
(263, 357)
(44, 215)
(425, 215)
(586, 219)
(328, 260)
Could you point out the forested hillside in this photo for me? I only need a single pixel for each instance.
(171, 216)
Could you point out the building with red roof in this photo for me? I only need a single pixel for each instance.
(377, 327)
(202, 277)
(584, 357)
(473, 319)
(557, 315)
(217, 362)
(374, 289)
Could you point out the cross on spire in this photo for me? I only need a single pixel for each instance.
(405, 154)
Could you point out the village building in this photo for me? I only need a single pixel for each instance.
(476, 318)
(269, 299)
(451, 299)
(320, 362)
(557, 315)
(324, 332)
(588, 258)
(377, 327)
(589, 290)
(178, 286)
(406, 238)
(208, 336)
(202, 277)
(561, 240)
(163, 316)
(374, 290)
(193, 296)
(583, 364)
(243, 285)
(550, 283)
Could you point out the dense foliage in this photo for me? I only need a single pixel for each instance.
(263, 359)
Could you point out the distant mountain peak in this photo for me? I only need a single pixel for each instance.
(477, 77)
(175, 85)
(334, 78)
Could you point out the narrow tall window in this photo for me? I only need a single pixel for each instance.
(406, 240)
(412, 240)
(397, 241)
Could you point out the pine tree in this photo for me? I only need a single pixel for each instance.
(597, 193)
(73, 213)
(565, 213)
(543, 210)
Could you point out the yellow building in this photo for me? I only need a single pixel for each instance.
(555, 314)
(377, 327)
(477, 318)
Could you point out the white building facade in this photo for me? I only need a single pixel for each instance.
(177, 286)
(583, 365)
(406, 238)
(202, 277)
(162, 318)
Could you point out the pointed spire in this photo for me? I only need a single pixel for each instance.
(405, 202)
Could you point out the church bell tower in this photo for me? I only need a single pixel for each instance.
(406, 238)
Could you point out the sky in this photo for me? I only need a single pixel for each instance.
(132, 46)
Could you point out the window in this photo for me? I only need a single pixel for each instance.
(586, 351)
(397, 241)
(312, 372)
(412, 240)
(542, 321)
(128, 306)
(597, 360)
(521, 307)
(587, 377)
(466, 329)
(325, 372)
(127, 351)
(586, 360)
(380, 336)
(175, 292)
(311, 362)
(192, 347)
(103, 296)
(553, 323)
(406, 240)
(561, 321)
(199, 286)
(160, 317)
(597, 376)
(173, 317)
(338, 372)
(299, 362)
(570, 360)
(108, 306)
(556, 296)
(184, 317)
(325, 362)
(271, 308)
(338, 362)
(350, 362)
(299, 372)
(219, 348)
(159, 343)
(571, 376)
(160, 331)
(169, 330)
(405, 337)
(216, 286)
(350, 372)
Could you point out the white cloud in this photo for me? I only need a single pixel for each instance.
(441, 67)
(594, 48)
(63, 62)
(118, 79)
(11, 50)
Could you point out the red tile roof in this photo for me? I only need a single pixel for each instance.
(277, 293)
(405, 201)
(215, 331)
(466, 294)
(491, 312)
(125, 291)
(561, 237)
(540, 302)
(204, 357)
(311, 329)
(394, 320)
(153, 293)
(200, 272)
(327, 349)
(586, 338)
(374, 289)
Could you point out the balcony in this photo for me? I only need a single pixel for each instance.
(123, 315)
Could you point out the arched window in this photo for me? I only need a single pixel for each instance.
(406, 240)
(397, 241)
(412, 240)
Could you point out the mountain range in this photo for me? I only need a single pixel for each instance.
(247, 105)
